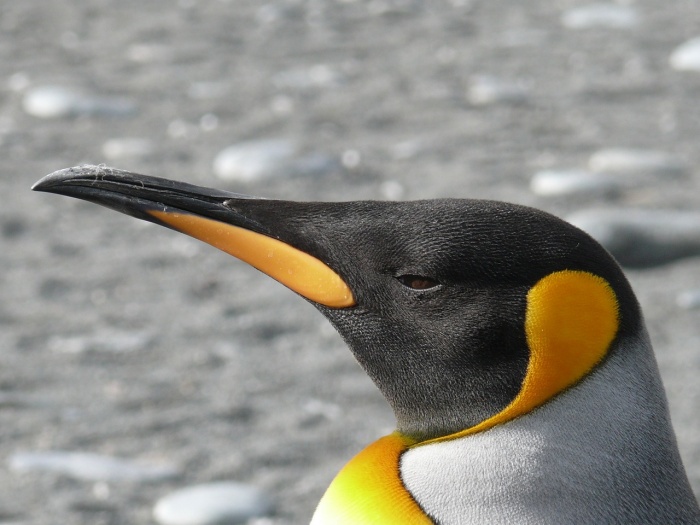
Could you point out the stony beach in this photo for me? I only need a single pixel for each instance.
(148, 378)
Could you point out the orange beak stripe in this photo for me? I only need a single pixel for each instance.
(297, 270)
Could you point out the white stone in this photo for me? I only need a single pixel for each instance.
(50, 102)
(392, 190)
(208, 122)
(253, 160)
(212, 504)
(127, 147)
(18, 82)
(58, 102)
(318, 76)
(108, 341)
(690, 299)
(486, 90)
(351, 159)
(407, 149)
(149, 53)
(207, 90)
(609, 16)
(551, 183)
(686, 57)
(637, 162)
(91, 467)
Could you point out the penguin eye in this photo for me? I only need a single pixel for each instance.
(417, 282)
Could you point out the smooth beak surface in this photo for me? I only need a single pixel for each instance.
(213, 216)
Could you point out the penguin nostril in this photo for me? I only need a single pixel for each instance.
(417, 282)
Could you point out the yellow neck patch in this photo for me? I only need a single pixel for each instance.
(368, 490)
(571, 319)
(297, 270)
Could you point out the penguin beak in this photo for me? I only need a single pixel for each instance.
(213, 216)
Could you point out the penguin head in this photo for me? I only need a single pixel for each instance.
(458, 305)
(465, 313)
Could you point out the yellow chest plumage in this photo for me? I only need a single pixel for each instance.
(369, 490)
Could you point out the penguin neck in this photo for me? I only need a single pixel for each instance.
(430, 389)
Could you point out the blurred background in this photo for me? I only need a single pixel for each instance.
(135, 362)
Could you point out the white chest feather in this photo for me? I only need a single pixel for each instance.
(603, 452)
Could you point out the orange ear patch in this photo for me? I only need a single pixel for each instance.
(571, 319)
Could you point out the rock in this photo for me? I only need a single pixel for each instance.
(49, 102)
(91, 467)
(392, 190)
(689, 300)
(327, 410)
(127, 147)
(150, 53)
(550, 183)
(686, 57)
(407, 149)
(253, 160)
(12, 227)
(58, 102)
(607, 16)
(650, 163)
(610, 171)
(486, 90)
(212, 504)
(318, 76)
(18, 82)
(263, 159)
(17, 400)
(107, 341)
(351, 159)
(642, 238)
(207, 90)
(208, 122)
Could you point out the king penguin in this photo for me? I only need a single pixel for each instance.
(508, 343)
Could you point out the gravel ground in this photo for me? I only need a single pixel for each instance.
(121, 338)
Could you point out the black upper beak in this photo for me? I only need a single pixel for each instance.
(214, 216)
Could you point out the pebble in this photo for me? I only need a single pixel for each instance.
(609, 172)
(550, 183)
(149, 53)
(689, 300)
(91, 467)
(15, 400)
(408, 149)
(18, 82)
(486, 90)
(212, 504)
(606, 16)
(351, 159)
(253, 160)
(107, 341)
(207, 90)
(316, 407)
(127, 147)
(318, 76)
(392, 190)
(686, 57)
(642, 238)
(57, 102)
(257, 160)
(637, 162)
